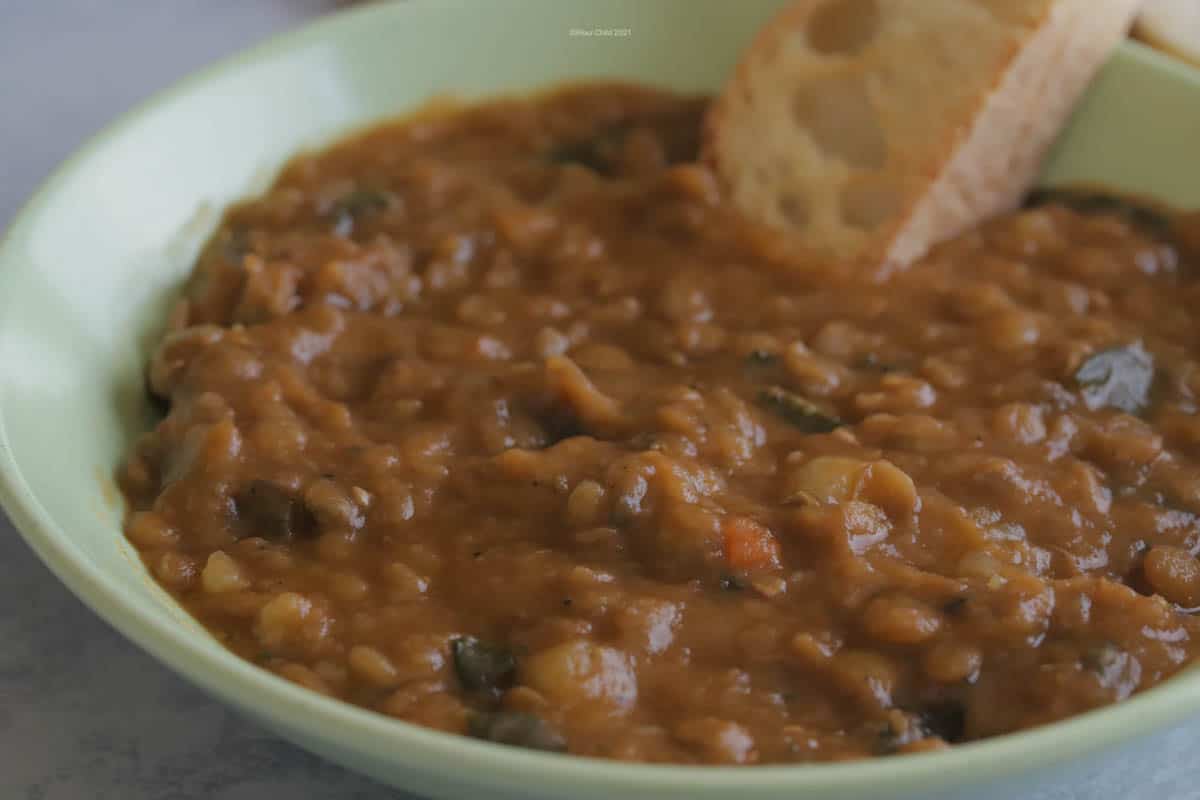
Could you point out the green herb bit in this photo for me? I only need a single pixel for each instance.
(235, 244)
(483, 666)
(946, 720)
(1102, 659)
(731, 583)
(872, 362)
(1142, 214)
(356, 205)
(797, 411)
(517, 729)
(762, 358)
(955, 606)
(599, 153)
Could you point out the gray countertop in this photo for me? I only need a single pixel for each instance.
(83, 714)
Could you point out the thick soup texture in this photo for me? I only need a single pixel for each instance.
(501, 422)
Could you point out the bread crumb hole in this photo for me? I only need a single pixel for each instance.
(793, 208)
(838, 114)
(868, 204)
(843, 26)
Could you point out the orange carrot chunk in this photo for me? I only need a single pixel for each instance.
(749, 545)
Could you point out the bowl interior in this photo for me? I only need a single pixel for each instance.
(88, 268)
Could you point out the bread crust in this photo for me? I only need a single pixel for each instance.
(1172, 26)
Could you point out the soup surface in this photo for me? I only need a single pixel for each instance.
(499, 421)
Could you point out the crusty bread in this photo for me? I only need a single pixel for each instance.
(877, 128)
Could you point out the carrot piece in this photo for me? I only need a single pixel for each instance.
(749, 545)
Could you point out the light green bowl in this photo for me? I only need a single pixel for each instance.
(87, 268)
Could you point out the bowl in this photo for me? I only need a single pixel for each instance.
(88, 267)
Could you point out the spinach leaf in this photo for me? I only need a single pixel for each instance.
(946, 720)
(483, 666)
(272, 512)
(797, 411)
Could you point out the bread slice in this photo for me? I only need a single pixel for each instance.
(877, 128)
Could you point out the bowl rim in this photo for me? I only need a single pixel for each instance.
(417, 749)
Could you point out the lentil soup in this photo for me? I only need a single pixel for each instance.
(499, 421)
